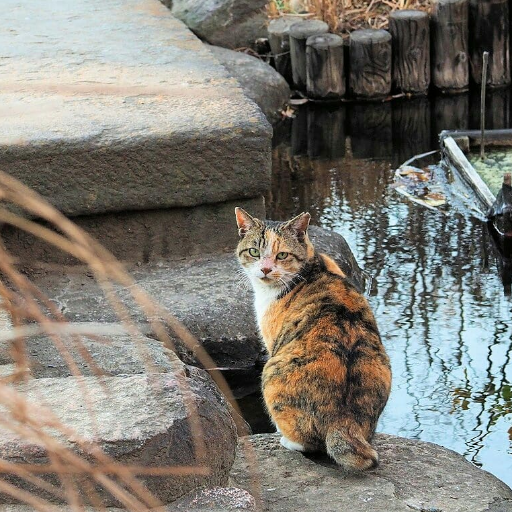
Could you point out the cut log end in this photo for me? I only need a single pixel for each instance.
(308, 28)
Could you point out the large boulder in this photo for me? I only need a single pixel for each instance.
(412, 476)
(138, 420)
(228, 23)
(259, 81)
(208, 295)
(115, 105)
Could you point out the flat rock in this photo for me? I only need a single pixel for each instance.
(112, 354)
(259, 81)
(412, 476)
(144, 237)
(229, 23)
(136, 420)
(217, 499)
(111, 106)
(208, 295)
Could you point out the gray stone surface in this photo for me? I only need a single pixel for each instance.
(144, 237)
(208, 295)
(412, 476)
(229, 23)
(114, 105)
(137, 420)
(119, 354)
(217, 499)
(259, 81)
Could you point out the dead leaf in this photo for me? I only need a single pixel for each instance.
(298, 101)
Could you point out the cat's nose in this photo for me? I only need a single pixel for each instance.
(266, 270)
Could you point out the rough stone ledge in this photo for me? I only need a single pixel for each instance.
(413, 476)
(128, 114)
(144, 237)
(136, 420)
(206, 294)
(119, 354)
(215, 499)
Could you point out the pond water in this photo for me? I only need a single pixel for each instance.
(436, 289)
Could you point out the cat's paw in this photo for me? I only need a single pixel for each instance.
(292, 445)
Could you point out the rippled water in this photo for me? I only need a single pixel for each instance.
(436, 292)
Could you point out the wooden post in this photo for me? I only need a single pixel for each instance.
(279, 39)
(370, 130)
(326, 132)
(489, 31)
(370, 64)
(450, 62)
(325, 77)
(411, 129)
(411, 51)
(299, 33)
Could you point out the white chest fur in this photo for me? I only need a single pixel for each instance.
(264, 296)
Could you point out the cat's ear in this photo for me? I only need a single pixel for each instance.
(244, 221)
(299, 225)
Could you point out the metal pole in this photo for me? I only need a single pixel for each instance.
(485, 61)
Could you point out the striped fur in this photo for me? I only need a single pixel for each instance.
(328, 377)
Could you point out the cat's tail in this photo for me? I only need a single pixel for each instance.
(347, 445)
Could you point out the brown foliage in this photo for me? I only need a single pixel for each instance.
(344, 16)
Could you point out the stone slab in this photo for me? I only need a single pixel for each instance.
(208, 295)
(110, 105)
(412, 476)
(109, 355)
(138, 420)
(217, 499)
(144, 237)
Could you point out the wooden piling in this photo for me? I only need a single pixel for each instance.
(325, 76)
(299, 33)
(489, 29)
(370, 64)
(411, 51)
(449, 40)
(279, 40)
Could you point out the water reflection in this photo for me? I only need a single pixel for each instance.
(437, 296)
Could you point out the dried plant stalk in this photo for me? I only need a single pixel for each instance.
(344, 16)
(26, 312)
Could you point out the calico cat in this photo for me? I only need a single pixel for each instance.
(328, 377)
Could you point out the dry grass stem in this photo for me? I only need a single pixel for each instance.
(344, 16)
(77, 475)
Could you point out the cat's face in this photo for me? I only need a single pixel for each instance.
(273, 253)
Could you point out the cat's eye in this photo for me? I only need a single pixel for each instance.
(282, 255)
(254, 252)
